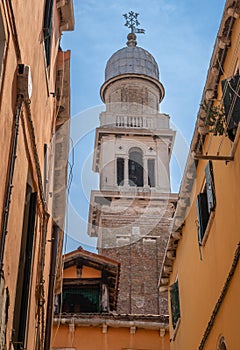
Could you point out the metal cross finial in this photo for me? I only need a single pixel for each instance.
(132, 22)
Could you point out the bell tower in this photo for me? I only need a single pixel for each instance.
(132, 211)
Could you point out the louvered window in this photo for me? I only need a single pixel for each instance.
(206, 202)
(175, 303)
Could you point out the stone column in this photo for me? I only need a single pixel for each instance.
(145, 172)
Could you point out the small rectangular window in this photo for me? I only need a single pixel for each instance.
(175, 303)
(151, 172)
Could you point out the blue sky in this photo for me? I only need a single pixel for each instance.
(180, 34)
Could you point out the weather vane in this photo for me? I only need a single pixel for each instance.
(132, 22)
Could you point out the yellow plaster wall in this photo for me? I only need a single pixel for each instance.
(203, 271)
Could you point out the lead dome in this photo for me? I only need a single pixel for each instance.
(131, 60)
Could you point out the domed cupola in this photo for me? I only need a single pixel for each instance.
(131, 65)
(131, 60)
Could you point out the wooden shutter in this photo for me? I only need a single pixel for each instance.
(203, 214)
(175, 304)
(231, 102)
(211, 198)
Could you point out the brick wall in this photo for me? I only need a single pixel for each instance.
(137, 239)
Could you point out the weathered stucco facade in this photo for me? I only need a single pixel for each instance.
(201, 266)
(31, 112)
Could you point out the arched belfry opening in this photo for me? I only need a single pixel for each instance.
(135, 167)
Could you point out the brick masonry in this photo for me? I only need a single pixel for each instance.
(137, 238)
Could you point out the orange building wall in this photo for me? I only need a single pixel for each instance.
(90, 338)
(87, 272)
(70, 272)
(28, 19)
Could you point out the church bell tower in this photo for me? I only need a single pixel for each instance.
(132, 211)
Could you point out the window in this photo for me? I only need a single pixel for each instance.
(47, 29)
(120, 171)
(135, 167)
(231, 102)
(81, 299)
(206, 202)
(151, 172)
(21, 306)
(175, 303)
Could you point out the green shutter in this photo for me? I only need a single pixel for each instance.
(203, 214)
(210, 186)
(175, 304)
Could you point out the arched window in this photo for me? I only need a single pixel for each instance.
(222, 344)
(135, 167)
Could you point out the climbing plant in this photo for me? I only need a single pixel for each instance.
(215, 118)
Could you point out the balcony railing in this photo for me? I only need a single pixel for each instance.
(154, 121)
(135, 122)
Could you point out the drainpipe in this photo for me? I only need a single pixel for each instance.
(52, 275)
(9, 181)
